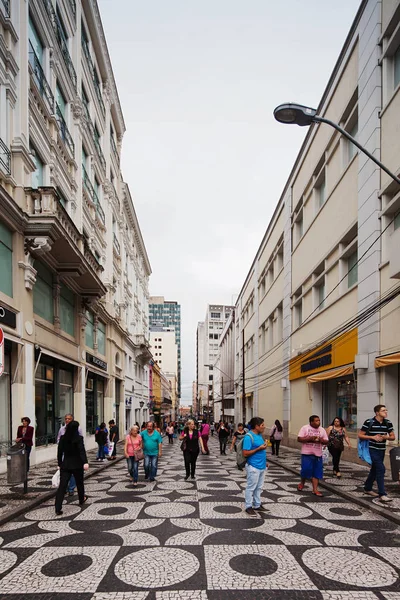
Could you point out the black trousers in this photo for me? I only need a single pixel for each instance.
(222, 444)
(275, 446)
(170, 438)
(336, 454)
(65, 475)
(190, 462)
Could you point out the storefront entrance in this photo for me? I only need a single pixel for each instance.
(339, 398)
(53, 398)
(5, 401)
(94, 401)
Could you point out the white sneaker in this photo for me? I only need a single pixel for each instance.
(385, 499)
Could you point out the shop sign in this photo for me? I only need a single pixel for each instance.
(8, 317)
(128, 401)
(1, 352)
(97, 362)
(316, 363)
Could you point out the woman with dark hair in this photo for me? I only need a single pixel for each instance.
(25, 436)
(336, 434)
(72, 460)
(275, 437)
(223, 434)
(190, 446)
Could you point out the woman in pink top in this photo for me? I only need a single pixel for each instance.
(133, 442)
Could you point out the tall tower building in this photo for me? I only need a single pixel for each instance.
(164, 313)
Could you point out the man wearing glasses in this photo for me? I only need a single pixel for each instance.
(377, 431)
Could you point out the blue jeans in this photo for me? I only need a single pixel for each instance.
(71, 484)
(255, 482)
(150, 466)
(377, 472)
(100, 451)
(133, 468)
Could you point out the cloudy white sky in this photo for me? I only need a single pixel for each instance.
(205, 160)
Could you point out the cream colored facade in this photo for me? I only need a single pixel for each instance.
(330, 252)
(74, 287)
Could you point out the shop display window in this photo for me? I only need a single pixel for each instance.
(340, 400)
(5, 405)
(6, 260)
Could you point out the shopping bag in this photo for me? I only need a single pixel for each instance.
(55, 480)
(110, 447)
(325, 455)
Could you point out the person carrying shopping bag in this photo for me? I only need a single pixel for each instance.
(133, 444)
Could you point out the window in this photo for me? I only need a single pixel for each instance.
(210, 377)
(396, 221)
(396, 65)
(321, 193)
(89, 330)
(215, 315)
(6, 283)
(101, 338)
(352, 269)
(43, 304)
(321, 296)
(37, 175)
(352, 148)
(35, 41)
(61, 101)
(67, 311)
(298, 314)
(85, 98)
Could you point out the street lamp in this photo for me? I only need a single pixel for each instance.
(297, 114)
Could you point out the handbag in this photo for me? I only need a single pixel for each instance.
(272, 437)
(183, 445)
(138, 454)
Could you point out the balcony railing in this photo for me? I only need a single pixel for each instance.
(116, 244)
(94, 138)
(5, 157)
(93, 195)
(40, 78)
(114, 148)
(97, 90)
(6, 4)
(55, 22)
(65, 134)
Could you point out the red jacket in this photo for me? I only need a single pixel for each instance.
(27, 439)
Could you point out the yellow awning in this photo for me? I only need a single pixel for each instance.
(331, 374)
(387, 360)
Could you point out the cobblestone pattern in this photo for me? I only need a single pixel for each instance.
(178, 540)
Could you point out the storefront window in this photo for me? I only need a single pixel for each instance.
(5, 400)
(6, 260)
(53, 399)
(101, 338)
(94, 402)
(89, 337)
(43, 293)
(44, 405)
(340, 400)
(67, 311)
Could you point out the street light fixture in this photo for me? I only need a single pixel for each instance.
(297, 114)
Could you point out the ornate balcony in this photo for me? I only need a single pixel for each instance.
(64, 132)
(40, 79)
(62, 42)
(51, 233)
(5, 158)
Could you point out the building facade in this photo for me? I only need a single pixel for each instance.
(167, 314)
(318, 314)
(165, 355)
(74, 283)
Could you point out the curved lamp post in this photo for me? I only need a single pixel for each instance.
(297, 114)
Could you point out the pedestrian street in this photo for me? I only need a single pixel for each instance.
(191, 540)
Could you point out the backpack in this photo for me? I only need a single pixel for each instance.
(240, 459)
(363, 446)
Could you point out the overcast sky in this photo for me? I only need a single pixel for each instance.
(204, 159)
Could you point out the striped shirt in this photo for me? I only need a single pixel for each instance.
(373, 427)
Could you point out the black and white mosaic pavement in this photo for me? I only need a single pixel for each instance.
(191, 540)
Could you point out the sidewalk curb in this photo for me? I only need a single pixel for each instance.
(346, 495)
(17, 512)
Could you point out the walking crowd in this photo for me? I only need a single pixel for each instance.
(249, 441)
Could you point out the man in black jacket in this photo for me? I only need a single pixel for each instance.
(72, 460)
